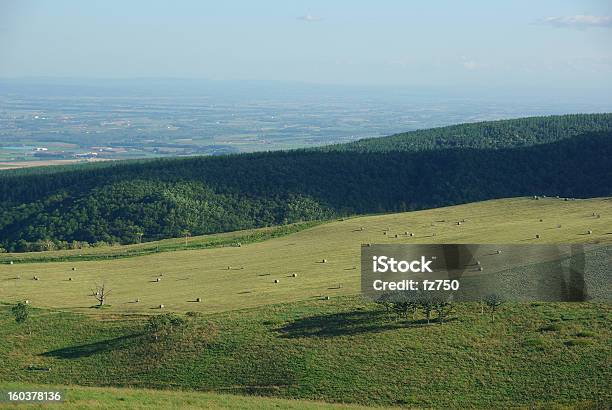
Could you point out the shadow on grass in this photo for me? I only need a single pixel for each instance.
(349, 323)
(90, 349)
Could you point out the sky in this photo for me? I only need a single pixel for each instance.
(426, 43)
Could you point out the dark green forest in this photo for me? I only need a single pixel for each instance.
(126, 202)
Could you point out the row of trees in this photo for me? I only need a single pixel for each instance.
(407, 304)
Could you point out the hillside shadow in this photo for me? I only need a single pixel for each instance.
(90, 349)
(347, 324)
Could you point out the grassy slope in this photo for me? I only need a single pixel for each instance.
(343, 350)
(254, 267)
(123, 399)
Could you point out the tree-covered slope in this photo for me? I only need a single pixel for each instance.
(520, 132)
(129, 202)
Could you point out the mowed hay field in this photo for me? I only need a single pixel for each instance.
(230, 278)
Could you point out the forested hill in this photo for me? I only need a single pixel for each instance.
(128, 202)
(521, 132)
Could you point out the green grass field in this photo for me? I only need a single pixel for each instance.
(346, 351)
(146, 399)
(252, 337)
(253, 267)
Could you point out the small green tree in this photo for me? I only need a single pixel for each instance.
(493, 302)
(21, 312)
(160, 326)
(443, 308)
(427, 305)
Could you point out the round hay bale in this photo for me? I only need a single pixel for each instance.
(498, 251)
(27, 302)
(198, 299)
(11, 262)
(324, 261)
(73, 268)
(396, 235)
(368, 244)
(589, 232)
(276, 281)
(137, 300)
(294, 275)
(594, 214)
(361, 228)
(480, 268)
(238, 244)
(541, 220)
(385, 232)
(326, 298)
(536, 197)
(35, 277)
(537, 236)
(70, 279)
(458, 222)
(477, 262)
(229, 267)
(161, 306)
(157, 279)
(411, 234)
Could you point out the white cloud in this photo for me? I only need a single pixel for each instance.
(309, 18)
(470, 64)
(579, 21)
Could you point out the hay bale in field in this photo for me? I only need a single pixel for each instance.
(480, 269)
(198, 299)
(589, 232)
(384, 232)
(36, 277)
(458, 222)
(238, 244)
(157, 279)
(594, 214)
(324, 261)
(537, 236)
(368, 244)
(541, 220)
(137, 300)
(161, 306)
(477, 262)
(73, 268)
(536, 197)
(361, 228)
(498, 251)
(294, 275)
(11, 262)
(411, 234)
(396, 235)
(276, 281)
(70, 279)
(326, 297)
(229, 267)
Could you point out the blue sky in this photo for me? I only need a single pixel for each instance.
(399, 43)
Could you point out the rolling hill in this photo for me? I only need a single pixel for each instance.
(74, 207)
(229, 278)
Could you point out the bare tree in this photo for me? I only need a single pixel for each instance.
(100, 293)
